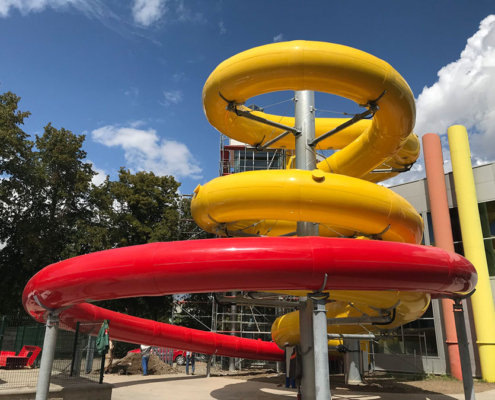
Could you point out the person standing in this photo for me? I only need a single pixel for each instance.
(289, 356)
(190, 358)
(295, 369)
(145, 357)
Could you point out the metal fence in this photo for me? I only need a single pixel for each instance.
(21, 345)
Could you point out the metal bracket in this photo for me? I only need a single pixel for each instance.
(406, 168)
(458, 299)
(222, 227)
(372, 109)
(378, 236)
(232, 107)
(374, 236)
(54, 311)
(261, 147)
(255, 302)
(386, 310)
(319, 295)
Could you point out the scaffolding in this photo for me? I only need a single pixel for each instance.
(250, 315)
(251, 321)
(238, 157)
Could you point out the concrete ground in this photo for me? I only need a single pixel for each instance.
(184, 387)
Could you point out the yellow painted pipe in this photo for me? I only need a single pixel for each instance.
(474, 250)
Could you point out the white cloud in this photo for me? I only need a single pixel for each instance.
(278, 38)
(137, 123)
(184, 13)
(179, 76)
(27, 6)
(145, 151)
(101, 175)
(147, 12)
(131, 92)
(464, 94)
(91, 8)
(172, 97)
(222, 27)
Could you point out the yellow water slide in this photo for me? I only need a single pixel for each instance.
(341, 195)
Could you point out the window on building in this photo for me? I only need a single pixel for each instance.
(251, 160)
(415, 338)
(487, 219)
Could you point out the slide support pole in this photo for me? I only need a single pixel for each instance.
(442, 230)
(47, 356)
(312, 313)
(467, 373)
(474, 249)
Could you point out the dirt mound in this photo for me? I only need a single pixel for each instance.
(131, 364)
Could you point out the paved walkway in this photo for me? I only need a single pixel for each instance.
(183, 387)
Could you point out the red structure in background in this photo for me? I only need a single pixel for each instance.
(9, 360)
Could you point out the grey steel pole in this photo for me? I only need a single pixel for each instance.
(320, 340)
(233, 318)
(305, 155)
(90, 353)
(467, 374)
(312, 314)
(352, 362)
(49, 344)
(208, 366)
(213, 322)
(307, 348)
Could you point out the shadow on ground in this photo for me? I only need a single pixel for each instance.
(382, 383)
(253, 391)
(166, 378)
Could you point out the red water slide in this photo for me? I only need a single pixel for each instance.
(219, 265)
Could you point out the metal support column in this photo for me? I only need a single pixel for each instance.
(307, 348)
(467, 374)
(320, 341)
(305, 155)
(352, 360)
(208, 366)
(49, 344)
(74, 349)
(90, 353)
(233, 318)
(312, 314)
(213, 358)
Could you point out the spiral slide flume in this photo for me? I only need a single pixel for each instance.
(394, 272)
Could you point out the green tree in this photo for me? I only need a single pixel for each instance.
(43, 197)
(50, 211)
(138, 209)
(16, 160)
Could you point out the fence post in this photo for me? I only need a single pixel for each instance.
(102, 368)
(90, 353)
(49, 345)
(74, 349)
(2, 330)
(103, 356)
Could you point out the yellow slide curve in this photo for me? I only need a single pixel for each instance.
(341, 194)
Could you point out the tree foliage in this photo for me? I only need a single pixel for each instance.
(50, 210)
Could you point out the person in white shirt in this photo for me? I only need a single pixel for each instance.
(190, 359)
(145, 357)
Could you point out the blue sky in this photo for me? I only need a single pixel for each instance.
(129, 74)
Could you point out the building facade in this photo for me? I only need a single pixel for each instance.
(420, 345)
(405, 353)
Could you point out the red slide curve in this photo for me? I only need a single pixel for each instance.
(219, 265)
